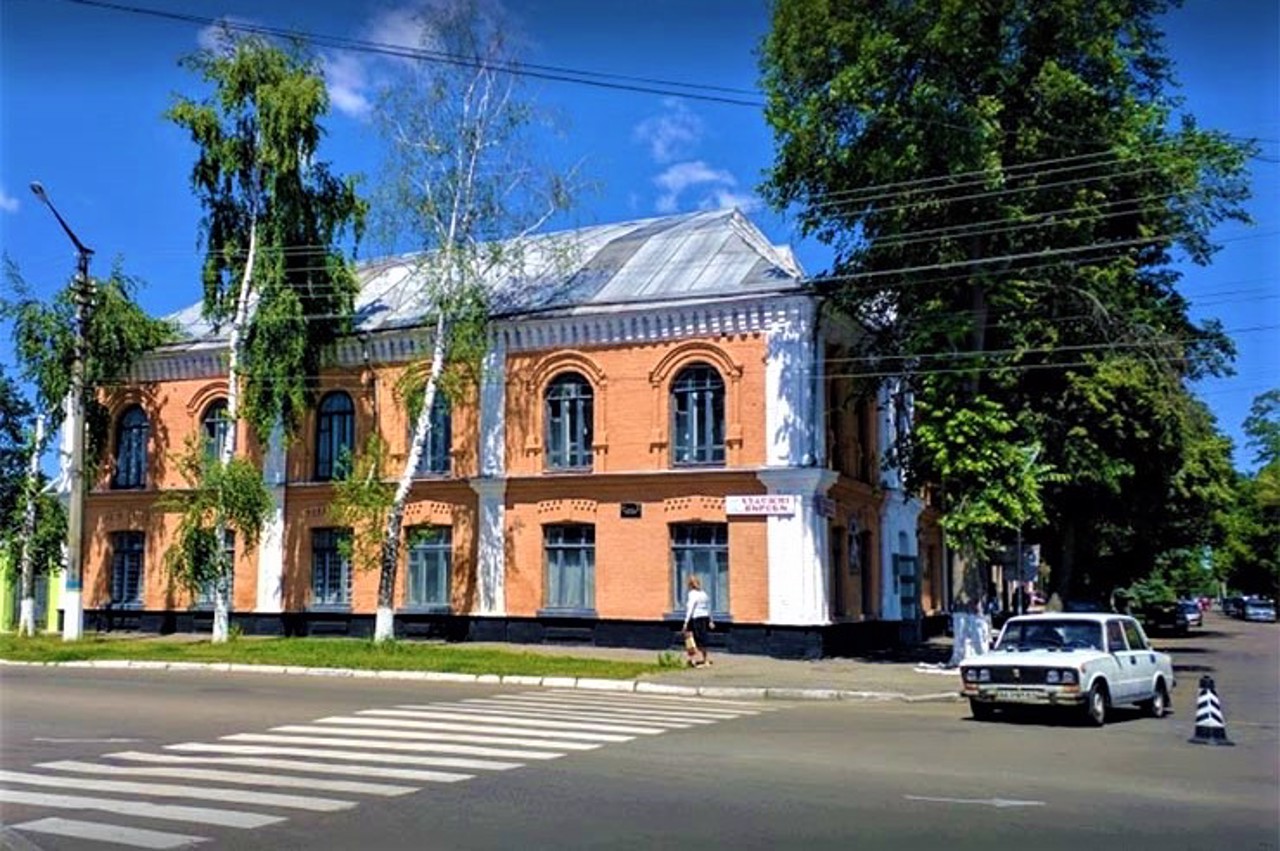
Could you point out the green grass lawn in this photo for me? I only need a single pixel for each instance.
(322, 653)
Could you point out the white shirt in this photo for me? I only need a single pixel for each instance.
(697, 605)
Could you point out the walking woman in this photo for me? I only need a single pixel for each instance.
(697, 614)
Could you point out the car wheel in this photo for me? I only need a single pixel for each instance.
(981, 711)
(1096, 704)
(1158, 705)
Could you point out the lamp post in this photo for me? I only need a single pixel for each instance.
(73, 602)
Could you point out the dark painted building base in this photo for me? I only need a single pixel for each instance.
(782, 642)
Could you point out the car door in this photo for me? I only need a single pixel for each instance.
(1122, 685)
(1142, 660)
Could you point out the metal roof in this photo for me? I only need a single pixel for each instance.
(707, 254)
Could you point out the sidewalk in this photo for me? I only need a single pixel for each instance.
(911, 674)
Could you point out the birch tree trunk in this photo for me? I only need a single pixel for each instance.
(27, 607)
(225, 568)
(384, 622)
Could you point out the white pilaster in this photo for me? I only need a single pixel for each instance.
(797, 549)
(493, 402)
(271, 542)
(790, 427)
(898, 536)
(491, 551)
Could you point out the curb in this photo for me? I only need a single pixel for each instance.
(583, 683)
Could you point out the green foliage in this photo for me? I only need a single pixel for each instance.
(362, 499)
(117, 333)
(258, 135)
(1248, 557)
(1005, 186)
(221, 498)
(15, 412)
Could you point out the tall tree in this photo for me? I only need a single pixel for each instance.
(1249, 557)
(273, 272)
(1005, 186)
(117, 332)
(461, 185)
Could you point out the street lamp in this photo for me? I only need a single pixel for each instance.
(73, 601)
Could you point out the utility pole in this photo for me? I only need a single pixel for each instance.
(72, 599)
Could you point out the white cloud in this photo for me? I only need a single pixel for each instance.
(677, 178)
(347, 80)
(8, 203)
(671, 135)
(727, 199)
(215, 36)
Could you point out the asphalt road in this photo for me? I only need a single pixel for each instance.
(594, 770)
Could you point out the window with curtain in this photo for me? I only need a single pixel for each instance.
(127, 561)
(430, 559)
(570, 554)
(335, 435)
(435, 459)
(215, 428)
(568, 417)
(330, 568)
(132, 432)
(697, 416)
(702, 550)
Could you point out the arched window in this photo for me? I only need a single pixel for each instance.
(697, 416)
(132, 431)
(215, 428)
(335, 435)
(435, 457)
(568, 419)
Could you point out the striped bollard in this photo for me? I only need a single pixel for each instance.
(1211, 725)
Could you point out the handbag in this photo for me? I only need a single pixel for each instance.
(690, 644)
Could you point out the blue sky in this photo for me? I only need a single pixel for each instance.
(82, 91)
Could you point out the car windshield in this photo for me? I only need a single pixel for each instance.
(1051, 634)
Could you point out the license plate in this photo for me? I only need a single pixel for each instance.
(1012, 696)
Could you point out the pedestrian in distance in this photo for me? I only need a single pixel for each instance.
(697, 622)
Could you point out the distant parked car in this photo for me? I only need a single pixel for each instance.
(1086, 662)
(1233, 607)
(1263, 611)
(1164, 617)
(1191, 609)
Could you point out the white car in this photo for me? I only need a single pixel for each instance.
(1087, 662)
(1263, 611)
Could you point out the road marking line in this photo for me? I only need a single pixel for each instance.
(135, 836)
(514, 720)
(500, 707)
(998, 803)
(618, 714)
(311, 729)
(170, 812)
(446, 726)
(419, 747)
(109, 741)
(242, 778)
(170, 790)
(746, 707)
(320, 753)
(628, 706)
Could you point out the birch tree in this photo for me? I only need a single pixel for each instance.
(273, 273)
(463, 185)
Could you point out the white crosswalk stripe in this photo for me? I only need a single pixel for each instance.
(416, 747)
(239, 778)
(353, 756)
(170, 812)
(412, 744)
(136, 837)
(443, 726)
(169, 790)
(548, 720)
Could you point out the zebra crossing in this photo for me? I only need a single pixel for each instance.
(250, 780)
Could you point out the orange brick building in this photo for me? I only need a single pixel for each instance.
(675, 404)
